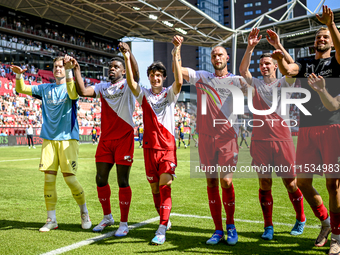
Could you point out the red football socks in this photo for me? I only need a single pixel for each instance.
(215, 206)
(266, 201)
(157, 201)
(320, 212)
(335, 223)
(124, 203)
(297, 200)
(104, 194)
(228, 198)
(165, 204)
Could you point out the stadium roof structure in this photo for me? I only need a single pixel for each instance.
(159, 20)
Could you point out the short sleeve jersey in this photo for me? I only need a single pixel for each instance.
(275, 125)
(118, 104)
(330, 69)
(158, 118)
(59, 112)
(219, 103)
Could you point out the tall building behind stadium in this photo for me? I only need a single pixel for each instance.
(245, 10)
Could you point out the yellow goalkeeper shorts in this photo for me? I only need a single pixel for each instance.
(63, 153)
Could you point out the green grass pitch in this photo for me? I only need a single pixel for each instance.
(23, 212)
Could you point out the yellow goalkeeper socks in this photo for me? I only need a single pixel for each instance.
(76, 189)
(50, 191)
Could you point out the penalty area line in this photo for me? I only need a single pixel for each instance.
(97, 238)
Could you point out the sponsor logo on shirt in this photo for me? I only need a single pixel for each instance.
(324, 73)
(57, 102)
(113, 96)
(159, 105)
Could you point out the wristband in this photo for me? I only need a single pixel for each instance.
(69, 74)
(19, 76)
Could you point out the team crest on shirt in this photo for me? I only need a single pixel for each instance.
(279, 85)
(121, 87)
(165, 94)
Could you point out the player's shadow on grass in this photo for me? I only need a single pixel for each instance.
(11, 224)
(192, 239)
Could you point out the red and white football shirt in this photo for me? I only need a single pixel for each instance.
(275, 126)
(158, 118)
(118, 104)
(219, 103)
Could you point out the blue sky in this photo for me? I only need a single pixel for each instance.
(143, 51)
(333, 4)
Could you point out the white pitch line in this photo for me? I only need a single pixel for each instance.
(109, 234)
(23, 159)
(239, 220)
(97, 238)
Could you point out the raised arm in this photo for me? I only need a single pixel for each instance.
(71, 89)
(245, 87)
(327, 19)
(133, 85)
(134, 66)
(184, 70)
(20, 86)
(274, 40)
(253, 40)
(284, 67)
(318, 84)
(80, 86)
(176, 60)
